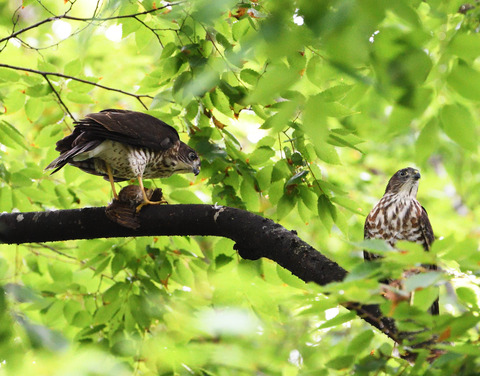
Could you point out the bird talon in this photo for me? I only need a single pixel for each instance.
(148, 202)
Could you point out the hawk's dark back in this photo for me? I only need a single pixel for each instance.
(130, 144)
(399, 216)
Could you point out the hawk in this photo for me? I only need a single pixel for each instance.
(122, 145)
(399, 216)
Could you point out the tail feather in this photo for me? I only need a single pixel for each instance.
(68, 155)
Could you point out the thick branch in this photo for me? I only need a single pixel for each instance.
(255, 237)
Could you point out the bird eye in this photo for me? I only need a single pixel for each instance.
(192, 156)
(403, 173)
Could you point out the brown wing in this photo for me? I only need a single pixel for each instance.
(367, 235)
(427, 230)
(129, 127)
(429, 237)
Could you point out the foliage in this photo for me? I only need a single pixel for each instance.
(300, 110)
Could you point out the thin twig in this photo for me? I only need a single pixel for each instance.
(74, 259)
(88, 19)
(45, 74)
(152, 30)
(59, 98)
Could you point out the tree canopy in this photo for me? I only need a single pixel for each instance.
(301, 111)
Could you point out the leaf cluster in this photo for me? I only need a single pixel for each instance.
(300, 112)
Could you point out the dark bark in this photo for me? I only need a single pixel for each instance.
(255, 237)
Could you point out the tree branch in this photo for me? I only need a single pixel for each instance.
(66, 76)
(255, 237)
(88, 19)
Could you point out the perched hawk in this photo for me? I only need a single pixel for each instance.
(121, 145)
(399, 216)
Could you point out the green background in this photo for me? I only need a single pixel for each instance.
(300, 111)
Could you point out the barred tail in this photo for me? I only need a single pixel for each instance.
(67, 156)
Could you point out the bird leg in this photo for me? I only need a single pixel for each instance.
(146, 200)
(110, 179)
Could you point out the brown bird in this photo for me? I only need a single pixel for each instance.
(399, 216)
(122, 145)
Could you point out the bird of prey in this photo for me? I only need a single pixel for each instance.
(122, 145)
(399, 216)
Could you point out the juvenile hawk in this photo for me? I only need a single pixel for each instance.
(122, 145)
(399, 216)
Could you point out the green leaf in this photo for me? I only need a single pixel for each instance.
(106, 312)
(427, 141)
(309, 198)
(341, 362)
(464, 349)
(285, 206)
(273, 83)
(360, 342)
(14, 101)
(468, 296)
(8, 75)
(184, 274)
(459, 125)
(374, 245)
(463, 323)
(102, 266)
(280, 120)
(60, 273)
(338, 320)
(248, 75)
(261, 155)
(79, 98)
(221, 102)
(168, 50)
(287, 277)
(297, 178)
(70, 308)
(39, 90)
(348, 204)
(249, 194)
(81, 319)
(276, 191)
(20, 180)
(34, 108)
(143, 37)
(73, 68)
(222, 260)
(185, 196)
(326, 211)
(465, 46)
(264, 177)
(327, 152)
(466, 81)
(10, 136)
(118, 262)
(129, 26)
(421, 280)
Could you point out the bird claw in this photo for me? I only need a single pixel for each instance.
(148, 202)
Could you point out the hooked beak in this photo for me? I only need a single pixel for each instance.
(417, 175)
(196, 170)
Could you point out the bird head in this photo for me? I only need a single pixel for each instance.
(188, 160)
(404, 182)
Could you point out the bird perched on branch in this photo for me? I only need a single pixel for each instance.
(122, 145)
(399, 216)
